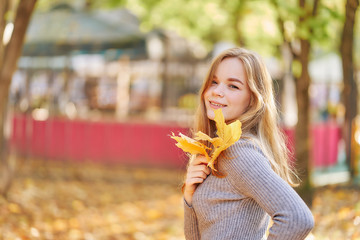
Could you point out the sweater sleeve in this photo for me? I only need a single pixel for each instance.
(191, 229)
(250, 173)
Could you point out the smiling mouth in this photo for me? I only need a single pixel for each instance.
(216, 105)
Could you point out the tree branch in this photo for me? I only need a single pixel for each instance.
(315, 7)
(14, 47)
(4, 7)
(281, 23)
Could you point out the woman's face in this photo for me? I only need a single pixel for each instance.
(228, 90)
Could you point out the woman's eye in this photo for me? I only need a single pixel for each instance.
(234, 86)
(213, 82)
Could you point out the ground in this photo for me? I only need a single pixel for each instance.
(62, 200)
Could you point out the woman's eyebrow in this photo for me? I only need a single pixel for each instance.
(233, 79)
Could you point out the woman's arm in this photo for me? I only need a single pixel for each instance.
(191, 229)
(251, 174)
(196, 173)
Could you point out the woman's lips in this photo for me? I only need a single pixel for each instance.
(216, 105)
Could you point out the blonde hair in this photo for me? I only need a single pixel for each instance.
(260, 118)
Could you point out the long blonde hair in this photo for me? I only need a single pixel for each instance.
(261, 117)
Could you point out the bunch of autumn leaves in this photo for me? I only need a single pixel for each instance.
(226, 136)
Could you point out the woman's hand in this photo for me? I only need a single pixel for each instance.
(196, 173)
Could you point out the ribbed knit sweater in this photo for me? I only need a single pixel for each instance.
(240, 205)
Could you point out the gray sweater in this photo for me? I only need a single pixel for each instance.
(238, 206)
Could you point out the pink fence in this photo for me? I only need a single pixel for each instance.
(129, 143)
(325, 139)
(133, 143)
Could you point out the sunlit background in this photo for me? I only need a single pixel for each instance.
(100, 86)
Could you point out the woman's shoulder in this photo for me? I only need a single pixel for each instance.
(244, 154)
(244, 161)
(247, 143)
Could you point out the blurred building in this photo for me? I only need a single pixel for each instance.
(91, 86)
(82, 64)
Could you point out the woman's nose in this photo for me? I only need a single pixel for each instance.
(219, 91)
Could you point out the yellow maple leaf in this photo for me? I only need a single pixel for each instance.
(227, 135)
(202, 136)
(190, 145)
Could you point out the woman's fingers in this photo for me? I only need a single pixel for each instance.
(200, 159)
(200, 167)
(197, 174)
(199, 163)
(194, 180)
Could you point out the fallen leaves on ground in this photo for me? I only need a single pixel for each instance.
(62, 200)
(54, 200)
(336, 210)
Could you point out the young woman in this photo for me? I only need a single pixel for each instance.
(256, 178)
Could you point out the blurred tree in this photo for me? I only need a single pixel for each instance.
(302, 25)
(218, 20)
(16, 14)
(350, 93)
(302, 144)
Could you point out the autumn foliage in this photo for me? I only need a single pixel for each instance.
(227, 134)
(82, 201)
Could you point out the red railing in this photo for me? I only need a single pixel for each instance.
(110, 142)
(133, 143)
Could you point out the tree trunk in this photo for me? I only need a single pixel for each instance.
(11, 53)
(302, 140)
(238, 13)
(123, 89)
(165, 75)
(4, 7)
(350, 93)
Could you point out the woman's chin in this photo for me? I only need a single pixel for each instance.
(210, 114)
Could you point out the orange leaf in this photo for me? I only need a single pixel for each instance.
(227, 135)
(191, 146)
